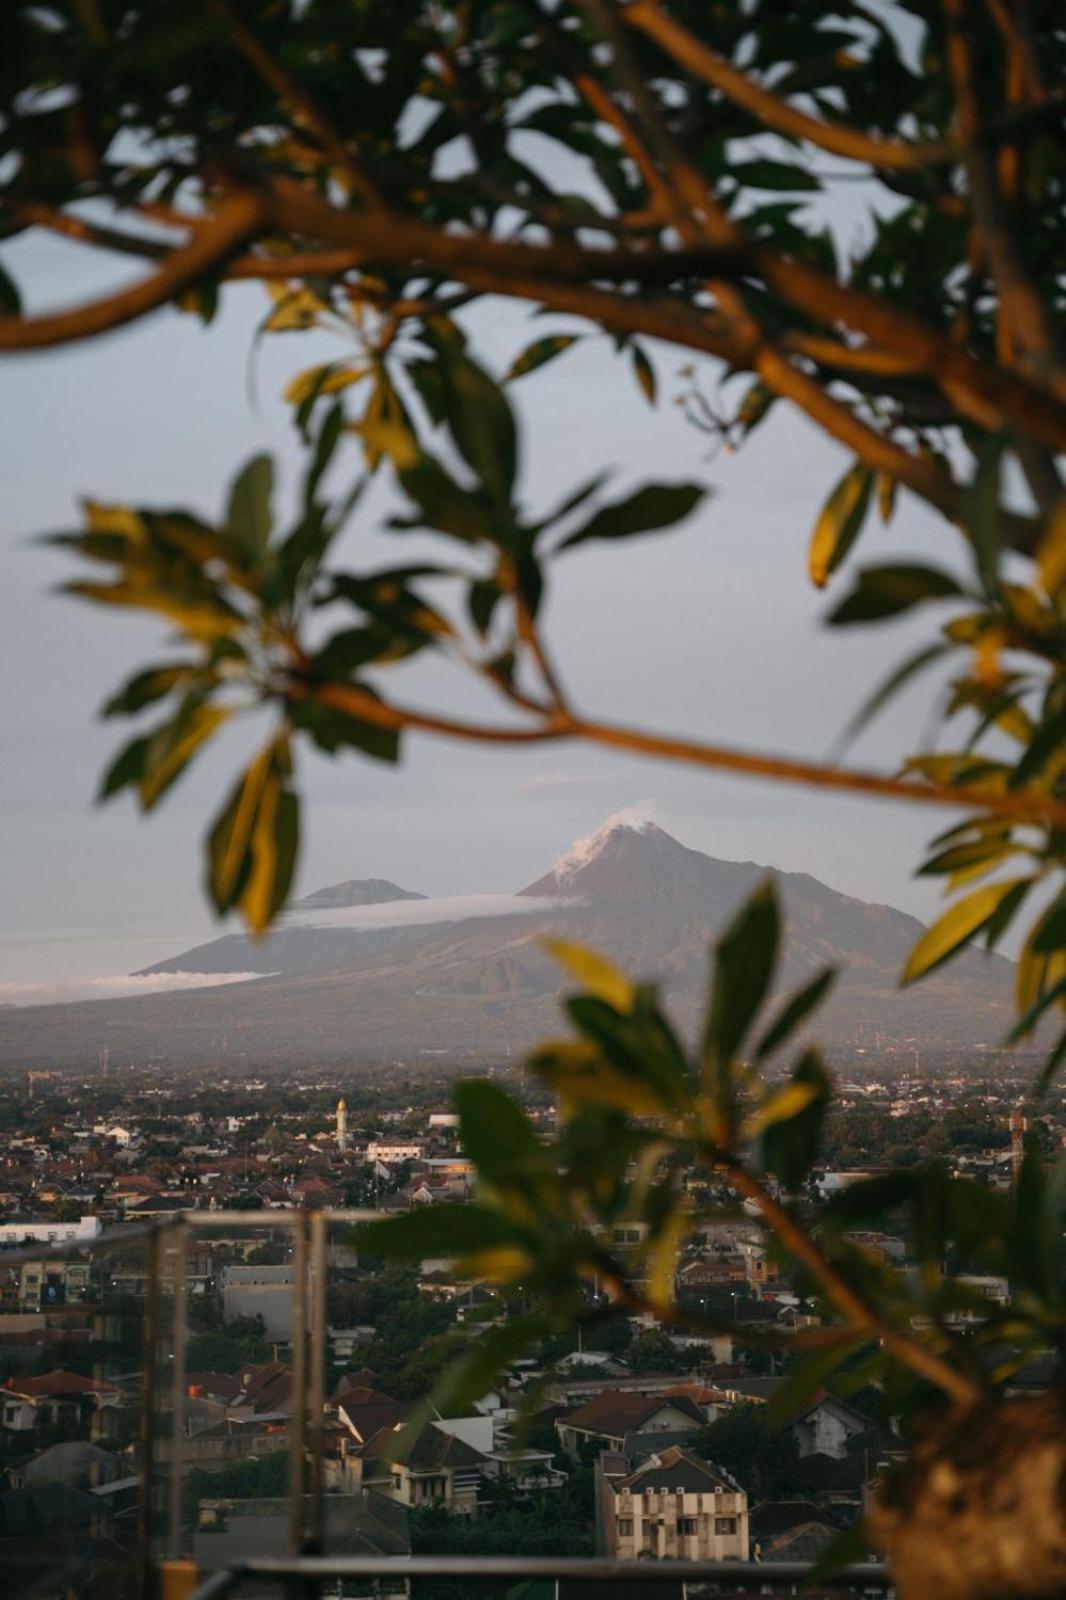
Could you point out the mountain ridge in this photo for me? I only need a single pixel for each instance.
(482, 986)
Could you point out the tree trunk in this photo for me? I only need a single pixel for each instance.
(978, 1511)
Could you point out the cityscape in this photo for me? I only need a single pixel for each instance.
(636, 1442)
(533, 800)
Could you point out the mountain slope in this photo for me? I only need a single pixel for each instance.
(483, 988)
(293, 947)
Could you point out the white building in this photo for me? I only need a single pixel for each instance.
(43, 1230)
(390, 1154)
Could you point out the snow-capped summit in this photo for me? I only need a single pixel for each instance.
(627, 857)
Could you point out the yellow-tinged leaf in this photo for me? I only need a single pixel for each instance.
(958, 924)
(1051, 557)
(199, 619)
(988, 659)
(783, 1103)
(1037, 970)
(241, 831)
(579, 1076)
(114, 519)
(323, 379)
(839, 523)
(392, 439)
(197, 729)
(594, 971)
(886, 495)
(503, 1265)
(257, 901)
(293, 309)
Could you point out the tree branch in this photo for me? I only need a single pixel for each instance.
(1021, 805)
(239, 217)
(852, 1305)
(779, 116)
(1020, 301)
(301, 103)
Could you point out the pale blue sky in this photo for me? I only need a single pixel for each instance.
(712, 632)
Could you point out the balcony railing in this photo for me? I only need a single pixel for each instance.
(162, 1540)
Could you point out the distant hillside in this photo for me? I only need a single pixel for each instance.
(355, 892)
(483, 988)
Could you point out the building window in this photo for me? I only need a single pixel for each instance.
(625, 1528)
(725, 1524)
(688, 1525)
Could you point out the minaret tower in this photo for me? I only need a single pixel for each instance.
(342, 1124)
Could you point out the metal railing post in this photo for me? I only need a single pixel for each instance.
(298, 1431)
(147, 1431)
(317, 1388)
(177, 1387)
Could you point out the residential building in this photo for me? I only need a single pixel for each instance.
(674, 1507)
(434, 1466)
(608, 1418)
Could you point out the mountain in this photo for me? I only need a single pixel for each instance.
(355, 892)
(294, 946)
(479, 987)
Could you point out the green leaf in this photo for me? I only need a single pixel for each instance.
(325, 445)
(648, 510)
(839, 524)
(981, 516)
(744, 961)
(645, 373)
(482, 424)
(496, 1134)
(1031, 1244)
(807, 1380)
(791, 1141)
(593, 971)
(850, 1546)
(146, 687)
(248, 513)
(483, 597)
(959, 924)
(891, 686)
(333, 730)
(539, 353)
(1046, 745)
(10, 299)
(883, 592)
(794, 1011)
(638, 1047)
(126, 768)
(441, 1230)
(779, 175)
(467, 1380)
